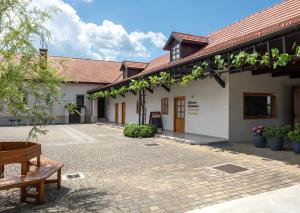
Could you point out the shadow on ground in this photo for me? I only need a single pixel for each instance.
(287, 155)
(88, 199)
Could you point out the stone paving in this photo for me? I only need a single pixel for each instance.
(124, 175)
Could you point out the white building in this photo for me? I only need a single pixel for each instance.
(228, 104)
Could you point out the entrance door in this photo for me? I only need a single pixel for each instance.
(116, 113)
(296, 105)
(101, 107)
(123, 112)
(179, 114)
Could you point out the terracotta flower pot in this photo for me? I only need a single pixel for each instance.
(259, 141)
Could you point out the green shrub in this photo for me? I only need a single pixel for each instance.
(139, 131)
(276, 132)
(295, 134)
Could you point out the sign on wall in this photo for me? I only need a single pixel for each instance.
(193, 108)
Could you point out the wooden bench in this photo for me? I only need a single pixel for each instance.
(37, 177)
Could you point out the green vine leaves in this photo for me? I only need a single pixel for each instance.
(273, 58)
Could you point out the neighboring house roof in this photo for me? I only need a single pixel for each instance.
(135, 64)
(86, 70)
(185, 38)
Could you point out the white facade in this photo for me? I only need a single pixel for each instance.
(240, 129)
(69, 92)
(213, 103)
(220, 109)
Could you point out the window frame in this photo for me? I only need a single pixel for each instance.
(273, 106)
(83, 100)
(175, 51)
(164, 106)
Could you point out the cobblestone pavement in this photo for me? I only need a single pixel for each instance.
(124, 175)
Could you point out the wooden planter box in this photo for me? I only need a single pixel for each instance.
(18, 152)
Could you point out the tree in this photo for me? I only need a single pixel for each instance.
(29, 85)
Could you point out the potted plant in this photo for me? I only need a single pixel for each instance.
(294, 135)
(258, 138)
(275, 136)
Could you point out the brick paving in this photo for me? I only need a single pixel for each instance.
(124, 175)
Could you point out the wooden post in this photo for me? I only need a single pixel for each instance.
(143, 107)
(59, 179)
(140, 107)
(41, 192)
(24, 170)
(1, 171)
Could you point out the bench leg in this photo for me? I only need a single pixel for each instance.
(59, 179)
(1, 171)
(23, 194)
(41, 192)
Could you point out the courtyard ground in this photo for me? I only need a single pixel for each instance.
(125, 175)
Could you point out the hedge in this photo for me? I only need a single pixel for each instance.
(139, 131)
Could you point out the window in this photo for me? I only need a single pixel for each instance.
(175, 52)
(80, 100)
(164, 106)
(63, 97)
(259, 106)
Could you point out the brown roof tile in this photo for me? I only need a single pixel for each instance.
(88, 71)
(135, 64)
(189, 37)
(278, 17)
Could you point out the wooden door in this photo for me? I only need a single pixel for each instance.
(179, 114)
(123, 112)
(297, 105)
(116, 113)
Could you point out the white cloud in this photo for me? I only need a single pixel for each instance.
(108, 40)
(87, 1)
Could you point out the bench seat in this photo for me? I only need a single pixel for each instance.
(38, 176)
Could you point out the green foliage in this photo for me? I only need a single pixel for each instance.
(239, 59)
(298, 51)
(276, 132)
(138, 85)
(164, 78)
(242, 58)
(295, 134)
(265, 59)
(23, 73)
(139, 131)
(280, 59)
(71, 107)
(122, 90)
(220, 62)
(252, 58)
(113, 92)
(197, 73)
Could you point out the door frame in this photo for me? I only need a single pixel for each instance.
(293, 114)
(123, 114)
(174, 115)
(116, 113)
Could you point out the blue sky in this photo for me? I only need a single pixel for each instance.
(143, 25)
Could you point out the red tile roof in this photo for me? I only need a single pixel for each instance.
(188, 38)
(276, 18)
(87, 71)
(135, 64)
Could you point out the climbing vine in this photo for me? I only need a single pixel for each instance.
(274, 58)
